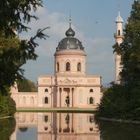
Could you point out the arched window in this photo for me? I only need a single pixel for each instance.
(46, 90)
(91, 100)
(91, 129)
(46, 100)
(45, 128)
(79, 67)
(57, 67)
(119, 32)
(91, 119)
(91, 90)
(67, 66)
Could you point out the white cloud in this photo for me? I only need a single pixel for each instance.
(99, 59)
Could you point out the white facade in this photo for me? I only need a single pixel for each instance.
(119, 39)
(69, 87)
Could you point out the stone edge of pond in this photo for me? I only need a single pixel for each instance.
(119, 120)
(56, 110)
(6, 117)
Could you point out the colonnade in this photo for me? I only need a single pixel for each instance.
(65, 97)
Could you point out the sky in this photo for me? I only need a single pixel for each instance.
(94, 24)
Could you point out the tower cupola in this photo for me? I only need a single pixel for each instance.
(119, 18)
(119, 29)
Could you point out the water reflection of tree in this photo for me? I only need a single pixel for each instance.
(119, 131)
(23, 129)
(7, 127)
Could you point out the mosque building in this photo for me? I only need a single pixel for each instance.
(70, 86)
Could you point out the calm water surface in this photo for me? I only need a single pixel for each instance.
(64, 126)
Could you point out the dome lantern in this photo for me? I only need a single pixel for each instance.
(70, 32)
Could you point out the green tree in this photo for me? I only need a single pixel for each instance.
(118, 131)
(16, 14)
(130, 49)
(123, 101)
(25, 85)
(7, 127)
(7, 106)
(14, 52)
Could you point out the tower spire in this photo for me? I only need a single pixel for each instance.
(70, 32)
(119, 13)
(70, 21)
(119, 5)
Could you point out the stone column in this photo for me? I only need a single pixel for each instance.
(69, 95)
(58, 96)
(72, 120)
(60, 129)
(72, 97)
(60, 92)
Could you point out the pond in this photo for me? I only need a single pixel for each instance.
(64, 126)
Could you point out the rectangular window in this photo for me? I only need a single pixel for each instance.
(46, 118)
(91, 119)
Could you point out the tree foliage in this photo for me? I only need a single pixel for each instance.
(15, 14)
(7, 106)
(14, 52)
(7, 127)
(123, 101)
(118, 131)
(25, 85)
(130, 49)
(118, 102)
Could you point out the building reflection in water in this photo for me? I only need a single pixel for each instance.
(59, 126)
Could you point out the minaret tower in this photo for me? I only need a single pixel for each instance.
(119, 39)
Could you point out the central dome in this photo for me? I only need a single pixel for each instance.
(70, 42)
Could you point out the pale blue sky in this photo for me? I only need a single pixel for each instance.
(94, 23)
